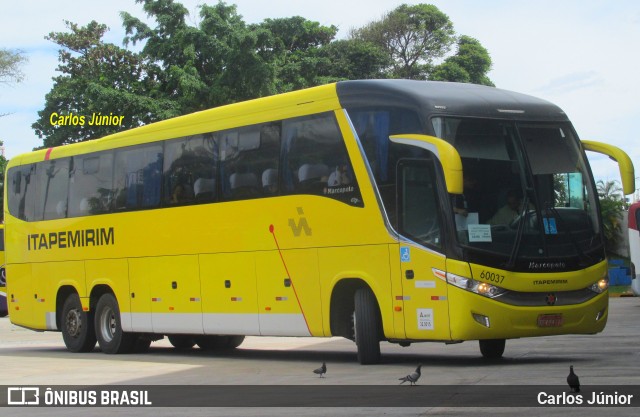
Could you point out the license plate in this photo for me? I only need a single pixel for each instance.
(550, 320)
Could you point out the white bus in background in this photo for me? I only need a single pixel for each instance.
(634, 246)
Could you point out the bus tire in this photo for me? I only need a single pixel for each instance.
(181, 342)
(77, 326)
(367, 327)
(492, 348)
(111, 338)
(141, 344)
(219, 342)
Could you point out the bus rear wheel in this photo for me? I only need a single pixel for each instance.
(77, 326)
(182, 342)
(219, 342)
(492, 348)
(367, 326)
(109, 332)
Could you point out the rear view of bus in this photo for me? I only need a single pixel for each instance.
(634, 246)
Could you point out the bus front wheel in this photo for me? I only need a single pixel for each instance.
(109, 332)
(492, 348)
(77, 326)
(367, 326)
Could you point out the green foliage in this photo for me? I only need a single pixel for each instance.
(10, 63)
(189, 63)
(611, 205)
(413, 36)
(99, 77)
(470, 64)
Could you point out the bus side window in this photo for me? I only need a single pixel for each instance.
(22, 192)
(249, 159)
(316, 160)
(52, 180)
(418, 209)
(90, 183)
(189, 170)
(137, 177)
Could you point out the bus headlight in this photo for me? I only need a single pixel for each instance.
(600, 286)
(478, 287)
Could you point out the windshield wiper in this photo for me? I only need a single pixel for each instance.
(520, 231)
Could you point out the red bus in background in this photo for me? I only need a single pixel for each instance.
(634, 246)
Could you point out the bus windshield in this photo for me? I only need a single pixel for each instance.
(528, 196)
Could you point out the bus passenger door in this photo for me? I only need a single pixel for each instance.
(422, 265)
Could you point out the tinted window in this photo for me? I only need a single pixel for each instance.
(52, 189)
(90, 184)
(189, 170)
(137, 177)
(419, 216)
(21, 192)
(249, 161)
(316, 159)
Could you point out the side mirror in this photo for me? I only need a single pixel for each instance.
(618, 155)
(447, 154)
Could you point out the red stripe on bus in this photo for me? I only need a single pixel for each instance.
(48, 154)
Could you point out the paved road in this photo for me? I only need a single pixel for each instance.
(609, 358)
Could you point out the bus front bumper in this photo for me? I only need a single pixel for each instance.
(475, 317)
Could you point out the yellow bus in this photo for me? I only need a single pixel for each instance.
(3, 277)
(380, 210)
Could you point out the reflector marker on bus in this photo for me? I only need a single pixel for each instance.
(156, 299)
(438, 298)
(195, 299)
(282, 298)
(236, 298)
(403, 297)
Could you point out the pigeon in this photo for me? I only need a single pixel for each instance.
(321, 370)
(573, 381)
(412, 377)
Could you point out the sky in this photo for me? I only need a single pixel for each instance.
(579, 54)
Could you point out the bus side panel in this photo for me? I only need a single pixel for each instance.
(425, 295)
(174, 288)
(140, 296)
(114, 273)
(229, 297)
(20, 295)
(49, 278)
(368, 263)
(289, 305)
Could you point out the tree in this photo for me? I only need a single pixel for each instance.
(416, 37)
(413, 36)
(98, 78)
(10, 67)
(10, 63)
(216, 62)
(470, 64)
(611, 206)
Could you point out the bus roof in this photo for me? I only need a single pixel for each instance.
(432, 97)
(446, 98)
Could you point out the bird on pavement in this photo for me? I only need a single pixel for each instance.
(321, 370)
(412, 377)
(573, 381)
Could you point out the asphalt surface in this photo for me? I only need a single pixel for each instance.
(608, 359)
